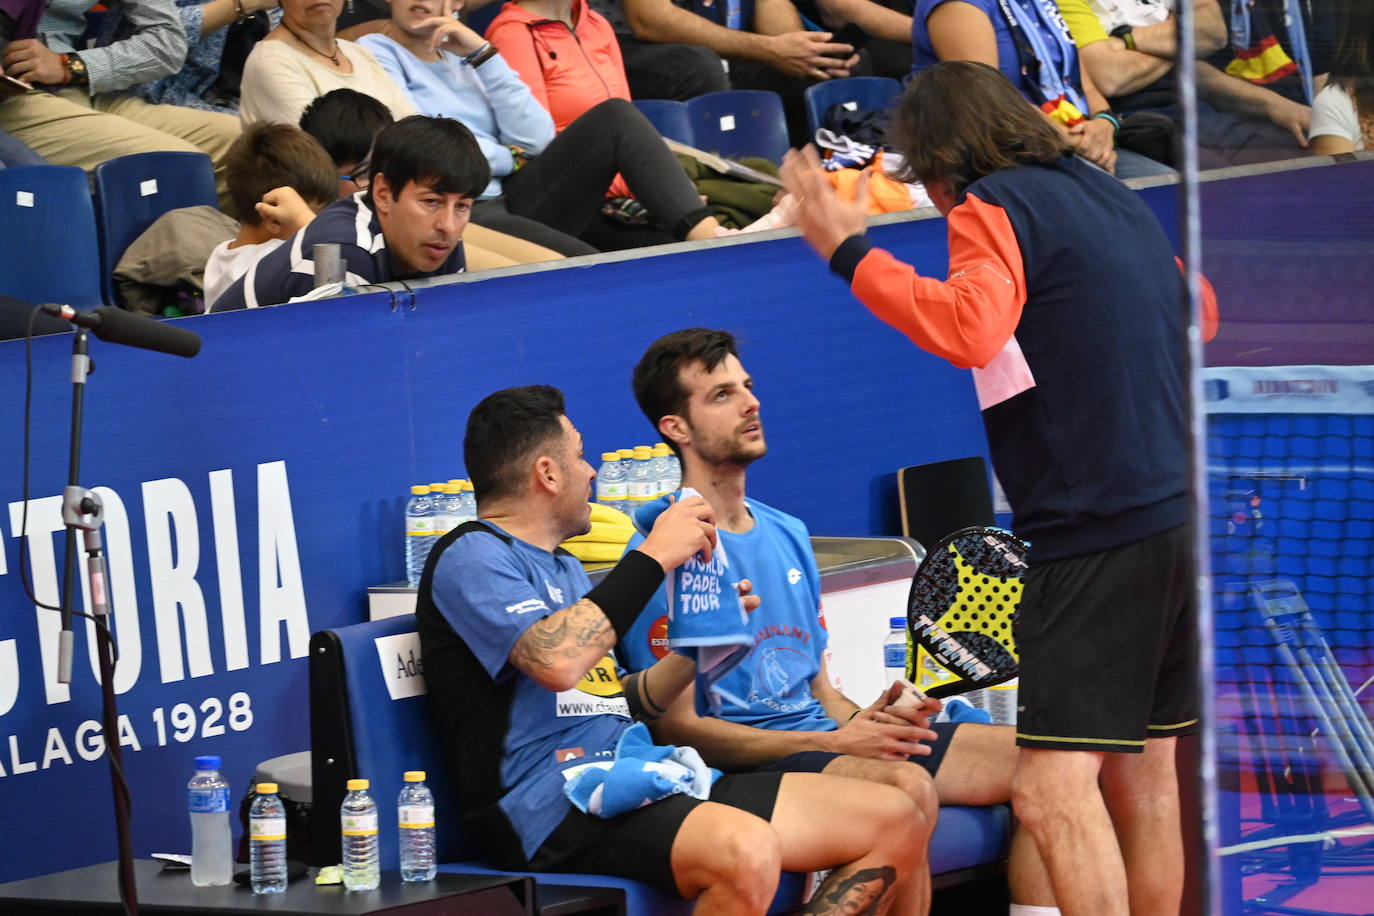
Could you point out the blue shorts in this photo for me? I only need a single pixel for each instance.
(816, 761)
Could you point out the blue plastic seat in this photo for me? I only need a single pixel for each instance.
(739, 123)
(856, 93)
(51, 253)
(357, 729)
(131, 192)
(669, 118)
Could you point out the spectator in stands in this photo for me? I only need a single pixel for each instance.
(765, 42)
(279, 177)
(91, 115)
(302, 59)
(1023, 39)
(425, 174)
(1051, 305)
(697, 395)
(544, 188)
(1343, 113)
(1129, 50)
(345, 123)
(201, 83)
(510, 626)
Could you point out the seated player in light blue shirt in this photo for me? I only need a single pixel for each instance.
(693, 388)
(524, 691)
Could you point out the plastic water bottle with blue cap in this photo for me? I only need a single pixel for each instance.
(894, 651)
(207, 797)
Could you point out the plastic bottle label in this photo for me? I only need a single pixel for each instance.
(894, 655)
(420, 527)
(415, 817)
(643, 489)
(443, 524)
(359, 824)
(263, 829)
(208, 801)
(610, 492)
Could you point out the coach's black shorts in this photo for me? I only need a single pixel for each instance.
(816, 761)
(639, 845)
(1107, 648)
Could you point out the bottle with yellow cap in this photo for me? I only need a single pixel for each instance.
(415, 818)
(267, 841)
(420, 512)
(358, 818)
(642, 485)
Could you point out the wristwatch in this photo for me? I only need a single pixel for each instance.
(1125, 33)
(76, 70)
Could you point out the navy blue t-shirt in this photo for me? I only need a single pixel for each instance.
(923, 54)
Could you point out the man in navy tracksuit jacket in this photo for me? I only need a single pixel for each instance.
(1065, 299)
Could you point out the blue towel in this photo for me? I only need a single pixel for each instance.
(641, 774)
(958, 709)
(706, 619)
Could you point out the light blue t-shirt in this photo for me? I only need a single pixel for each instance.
(491, 100)
(490, 592)
(789, 635)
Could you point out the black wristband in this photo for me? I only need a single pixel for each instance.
(626, 589)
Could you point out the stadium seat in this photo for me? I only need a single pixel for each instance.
(668, 117)
(131, 192)
(856, 93)
(369, 718)
(738, 123)
(51, 253)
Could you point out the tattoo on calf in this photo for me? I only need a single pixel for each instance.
(857, 893)
(567, 633)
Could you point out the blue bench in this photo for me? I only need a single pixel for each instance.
(369, 718)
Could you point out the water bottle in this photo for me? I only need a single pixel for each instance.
(267, 841)
(627, 460)
(419, 532)
(207, 798)
(894, 651)
(674, 468)
(415, 817)
(661, 470)
(1001, 702)
(641, 484)
(469, 501)
(448, 509)
(358, 817)
(611, 486)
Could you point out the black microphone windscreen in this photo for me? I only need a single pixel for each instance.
(121, 327)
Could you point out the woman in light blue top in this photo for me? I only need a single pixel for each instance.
(546, 189)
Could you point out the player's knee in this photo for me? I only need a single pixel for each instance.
(746, 861)
(920, 788)
(900, 826)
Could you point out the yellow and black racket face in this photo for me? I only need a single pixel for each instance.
(961, 612)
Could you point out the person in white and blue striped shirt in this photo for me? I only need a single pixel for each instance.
(408, 224)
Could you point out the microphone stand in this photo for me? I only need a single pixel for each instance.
(83, 511)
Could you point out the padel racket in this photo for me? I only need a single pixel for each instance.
(961, 609)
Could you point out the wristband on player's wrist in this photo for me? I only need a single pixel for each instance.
(626, 589)
(1108, 116)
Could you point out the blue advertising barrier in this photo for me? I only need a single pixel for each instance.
(254, 492)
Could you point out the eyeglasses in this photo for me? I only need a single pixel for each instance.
(360, 176)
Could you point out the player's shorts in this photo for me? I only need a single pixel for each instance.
(817, 761)
(639, 845)
(1107, 646)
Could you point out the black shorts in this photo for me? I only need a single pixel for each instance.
(1107, 646)
(639, 845)
(817, 761)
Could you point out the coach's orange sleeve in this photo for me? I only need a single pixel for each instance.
(966, 319)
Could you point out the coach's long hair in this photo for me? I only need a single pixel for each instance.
(1353, 66)
(960, 120)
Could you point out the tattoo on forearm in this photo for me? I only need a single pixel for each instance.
(565, 634)
(852, 893)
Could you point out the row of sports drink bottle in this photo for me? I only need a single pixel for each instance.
(629, 478)
(433, 511)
